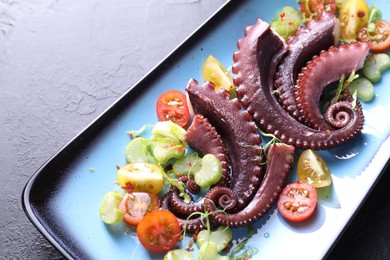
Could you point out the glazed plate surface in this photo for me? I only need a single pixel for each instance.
(62, 198)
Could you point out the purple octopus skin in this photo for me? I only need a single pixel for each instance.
(320, 72)
(256, 91)
(191, 225)
(239, 134)
(202, 137)
(280, 159)
(317, 35)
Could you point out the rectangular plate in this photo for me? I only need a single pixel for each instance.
(62, 198)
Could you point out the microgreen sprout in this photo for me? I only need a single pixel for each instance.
(273, 140)
(247, 252)
(354, 96)
(178, 185)
(374, 15)
(343, 85)
(204, 216)
(135, 133)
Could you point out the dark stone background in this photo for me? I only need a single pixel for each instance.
(62, 63)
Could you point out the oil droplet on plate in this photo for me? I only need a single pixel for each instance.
(266, 235)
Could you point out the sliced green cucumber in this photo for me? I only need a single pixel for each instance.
(210, 171)
(109, 211)
(364, 89)
(375, 65)
(287, 22)
(187, 165)
(221, 237)
(170, 130)
(178, 254)
(209, 251)
(163, 149)
(137, 150)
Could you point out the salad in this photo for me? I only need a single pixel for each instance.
(159, 158)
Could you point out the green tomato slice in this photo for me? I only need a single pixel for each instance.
(221, 237)
(363, 88)
(109, 211)
(210, 171)
(375, 65)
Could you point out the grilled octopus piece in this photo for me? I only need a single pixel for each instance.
(255, 64)
(317, 35)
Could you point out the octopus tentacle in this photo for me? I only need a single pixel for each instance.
(319, 73)
(191, 225)
(337, 115)
(222, 197)
(256, 93)
(309, 40)
(280, 160)
(192, 186)
(239, 134)
(203, 138)
(184, 208)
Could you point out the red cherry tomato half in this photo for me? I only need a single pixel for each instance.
(172, 105)
(159, 231)
(380, 38)
(136, 205)
(297, 201)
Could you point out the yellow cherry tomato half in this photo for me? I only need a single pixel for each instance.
(214, 72)
(313, 169)
(143, 176)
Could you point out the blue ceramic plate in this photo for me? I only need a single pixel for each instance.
(62, 199)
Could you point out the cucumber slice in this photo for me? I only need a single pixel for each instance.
(287, 22)
(209, 251)
(187, 165)
(364, 89)
(178, 254)
(375, 65)
(170, 130)
(163, 149)
(137, 150)
(221, 237)
(109, 211)
(210, 171)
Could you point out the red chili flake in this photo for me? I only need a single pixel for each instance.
(361, 14)
(282, 15)
(118, 167)
(131, 135)
(189, 164)
(129, 187)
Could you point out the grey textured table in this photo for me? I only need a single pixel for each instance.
(62, 63)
